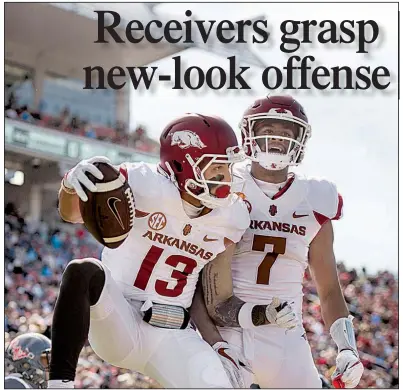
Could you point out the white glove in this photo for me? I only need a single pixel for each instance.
(232, 363)
(349, 370)
(76, 178)
(281, 314)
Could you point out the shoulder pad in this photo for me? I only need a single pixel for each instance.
(145, 180)
(150, 188)
(240, 212)
(241, 168)
(236, 219)
(326, 202)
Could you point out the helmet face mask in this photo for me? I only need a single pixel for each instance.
(201, 186)
(281, 109)
(193, 144)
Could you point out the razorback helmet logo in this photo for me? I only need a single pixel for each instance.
(280, 110)
(187, 139)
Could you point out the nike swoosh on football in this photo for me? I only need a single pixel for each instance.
(206, 239)
(295, 215)
(112, 206)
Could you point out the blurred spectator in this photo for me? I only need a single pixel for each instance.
(89, 130)
(121, 128)
(25, 115)
(10, 209)
(62, 121)
(12, 101)
(142, 142)
(75, 125)
(11, 112)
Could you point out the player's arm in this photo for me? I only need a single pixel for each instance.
(335, 314)
(221, 303)
(228, 310)
(69, 208)
(72, 188)
(201, 318)
(323, 269)
(231, 360)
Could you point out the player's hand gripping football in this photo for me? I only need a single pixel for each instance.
(75, 179)
(349, 370)
(232, 363)
(281, 314)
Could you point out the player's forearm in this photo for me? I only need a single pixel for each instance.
(322, 264)
(333, 305)
(227, 311)
(336, 317)
(69, 207)
(222, 305)
(201, 318)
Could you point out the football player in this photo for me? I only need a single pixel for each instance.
(29, 356)
(133, 305)
(291, 228)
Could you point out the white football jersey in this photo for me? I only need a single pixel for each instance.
(161, 258)
(272, 256)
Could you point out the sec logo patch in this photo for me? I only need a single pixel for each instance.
(157, 221)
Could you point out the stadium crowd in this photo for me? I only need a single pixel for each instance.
(36, 254)
(69, 123)
(373, 301)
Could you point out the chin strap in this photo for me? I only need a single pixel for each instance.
(171, 175)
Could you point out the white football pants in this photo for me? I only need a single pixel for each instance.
(279, 359)
(176, 358)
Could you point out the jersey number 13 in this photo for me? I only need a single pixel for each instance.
(161, 286)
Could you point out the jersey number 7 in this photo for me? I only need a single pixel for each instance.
(259, 244)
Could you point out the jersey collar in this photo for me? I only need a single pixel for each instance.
(286, 199)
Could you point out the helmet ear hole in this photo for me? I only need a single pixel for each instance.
(177, 166)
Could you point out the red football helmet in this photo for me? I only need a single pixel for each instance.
(187, 143)
(284, 108)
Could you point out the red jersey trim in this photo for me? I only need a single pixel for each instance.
(140, 214)
(320, 218)
(123, 171)
(339, 208)
(285, 188)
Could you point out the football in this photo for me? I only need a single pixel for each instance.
(108, 214)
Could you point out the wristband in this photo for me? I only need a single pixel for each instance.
(342, 332)
(245, 316)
